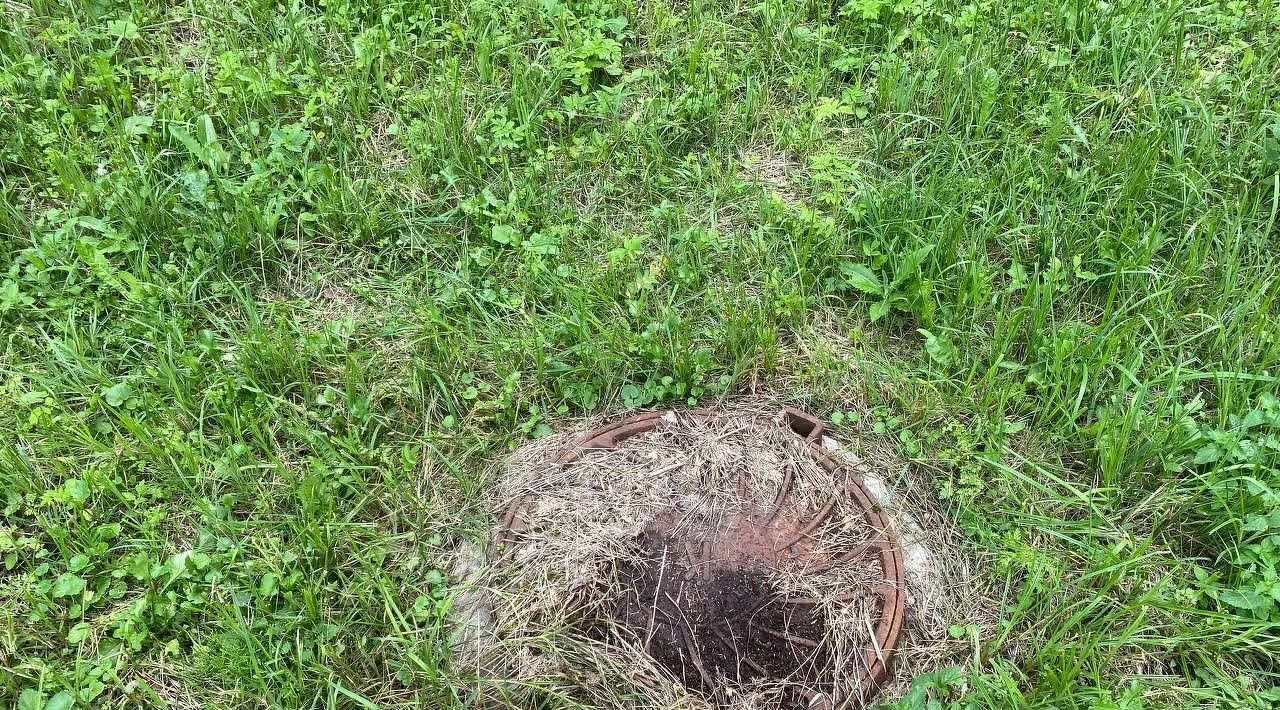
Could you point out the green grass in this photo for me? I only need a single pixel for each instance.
(280, 280)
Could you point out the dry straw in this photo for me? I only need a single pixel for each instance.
(519, 635)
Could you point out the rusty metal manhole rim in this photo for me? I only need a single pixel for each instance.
(877, 657)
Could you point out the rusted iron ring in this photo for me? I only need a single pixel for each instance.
(877, 657)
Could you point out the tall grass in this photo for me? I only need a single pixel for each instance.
(278, 281)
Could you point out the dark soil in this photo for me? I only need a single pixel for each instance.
(715, 624)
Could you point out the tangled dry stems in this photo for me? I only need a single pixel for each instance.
(517, 622)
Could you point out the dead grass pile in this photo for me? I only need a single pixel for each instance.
(650, 574)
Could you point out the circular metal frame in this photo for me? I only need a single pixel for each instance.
(892, 591)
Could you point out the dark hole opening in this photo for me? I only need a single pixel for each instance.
(714, 625)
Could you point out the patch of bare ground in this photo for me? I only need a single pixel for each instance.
(614, 581)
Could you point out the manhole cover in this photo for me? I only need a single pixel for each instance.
(700, 595)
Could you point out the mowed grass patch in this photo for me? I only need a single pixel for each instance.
(279, 282)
